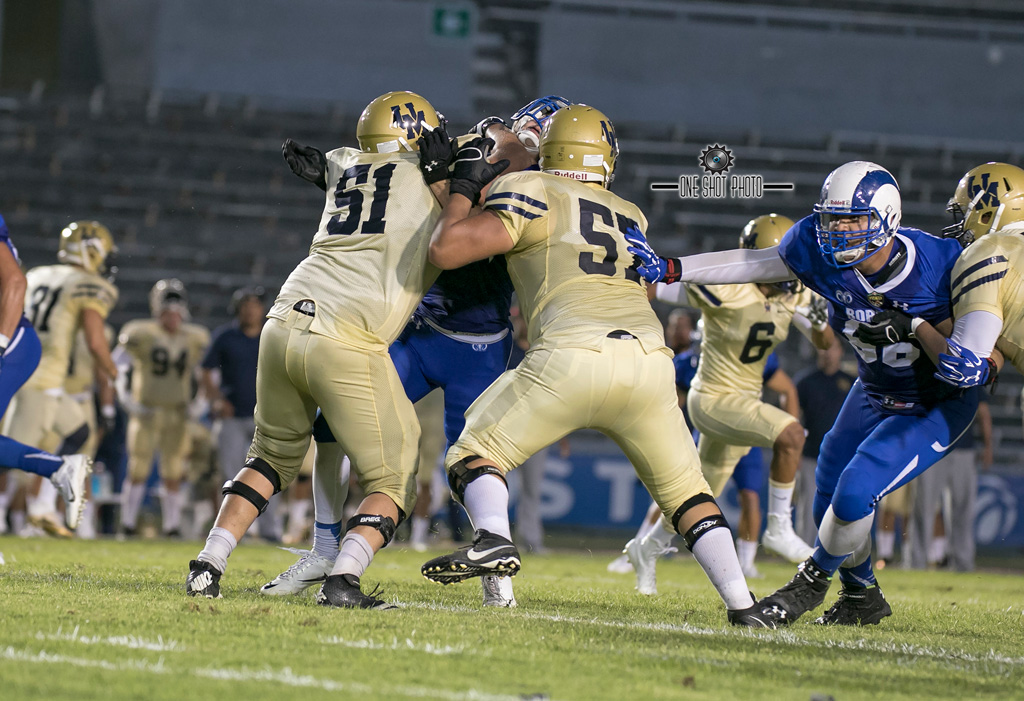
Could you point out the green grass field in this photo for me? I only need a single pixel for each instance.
(108, 620)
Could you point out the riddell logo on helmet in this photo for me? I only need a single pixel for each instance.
(834, 203)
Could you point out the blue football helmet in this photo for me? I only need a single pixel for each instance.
(857, 189)
(529, 120)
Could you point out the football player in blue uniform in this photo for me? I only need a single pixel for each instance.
(880, 279)
(20, 351)
(459, 338)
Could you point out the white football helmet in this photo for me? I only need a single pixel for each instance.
(168, 294)
(529, 120)
(857, 189)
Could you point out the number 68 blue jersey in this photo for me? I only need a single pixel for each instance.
(896, 377)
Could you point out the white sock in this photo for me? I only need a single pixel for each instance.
(886, 541)
(132, 494)
(43, 503)
(219, 545)
(18, 521)
(745, 551)
(661, 533)
(202, 511)
(780, 497)
(486, 501)
(87, 524)
(937, 549)
(420, 528)
(355, 555)
(717, 556)
(297, 517)
(330, 482)
(170, 506)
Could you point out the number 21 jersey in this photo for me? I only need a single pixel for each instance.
(367, 268)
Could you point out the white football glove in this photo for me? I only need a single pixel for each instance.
(816, 312)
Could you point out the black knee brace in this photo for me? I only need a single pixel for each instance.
(246, 492)
(703, 526)
(384, 525)
(689, 504)
(261, 466)
(459, 476)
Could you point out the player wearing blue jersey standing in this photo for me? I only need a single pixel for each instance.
(459, 339)
(880, 279)
(20, 351)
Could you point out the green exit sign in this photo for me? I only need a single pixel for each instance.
(453, 21)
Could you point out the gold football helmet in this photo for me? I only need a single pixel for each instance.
(168, 294)
(394, 122)
(88, 244)
(765, 231)
(579, 142)
(986, 199)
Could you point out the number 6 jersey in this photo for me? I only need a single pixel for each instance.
(54, 300)
(578, 283)
(367, 268)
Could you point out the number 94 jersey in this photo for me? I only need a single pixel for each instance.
(367, 268)
(897, 377)
(162, 363)
(575, 279)
(741, 328)
(54, 301)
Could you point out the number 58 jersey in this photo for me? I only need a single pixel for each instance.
(367, 268)
(576, 283)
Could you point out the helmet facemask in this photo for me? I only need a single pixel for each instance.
(529, 120)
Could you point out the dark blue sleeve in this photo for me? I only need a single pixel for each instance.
(686, 369)
(215, 353)
(799, 251)
(770, 368)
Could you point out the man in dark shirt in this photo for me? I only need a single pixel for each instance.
(822, 392)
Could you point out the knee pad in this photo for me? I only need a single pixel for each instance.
(246, 492)
(693, 501)
(459, 476)
(384, 525)
(263, 467)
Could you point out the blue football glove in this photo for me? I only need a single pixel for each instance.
(962, 367)
(653, 268)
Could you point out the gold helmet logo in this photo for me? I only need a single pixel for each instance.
(87, 244)
(987, 198)
(765, 231)
(394, 122)
(579, 142)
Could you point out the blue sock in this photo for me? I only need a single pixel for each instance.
(22, 457)
(824, 560)
(326, 539)
(860, 576)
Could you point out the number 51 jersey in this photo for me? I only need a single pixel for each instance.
(367, 268)
(576, 283)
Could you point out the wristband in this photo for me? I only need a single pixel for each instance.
(108, 411)
(673, 270)
(914, 323)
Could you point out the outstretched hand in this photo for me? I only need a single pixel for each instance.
(307, 162)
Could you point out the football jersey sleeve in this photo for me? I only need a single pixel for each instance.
(518, 200)
(977, 276)
(94, 293)
(133, 337)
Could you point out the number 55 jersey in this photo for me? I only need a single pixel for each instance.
(366, 283)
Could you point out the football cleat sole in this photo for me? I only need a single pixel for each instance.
(456, 572)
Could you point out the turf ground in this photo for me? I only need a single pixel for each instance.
(108, 620)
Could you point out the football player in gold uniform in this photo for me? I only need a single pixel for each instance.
(326, 345)
(988, 279)
(165, 352)
(597, 356)
(61, 299)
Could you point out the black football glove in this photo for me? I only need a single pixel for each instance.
(472, 172)
(481, 127)
(307, 162)
(887, 327)
(437, 152)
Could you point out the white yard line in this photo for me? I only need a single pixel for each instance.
(129, 641)
(785, 637)
(282, 676)
(395, 645)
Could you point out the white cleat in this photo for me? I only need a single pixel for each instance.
(620, 565)
(643, 555)
(310, 569)
(751, 572)
(498, 591)
(781, 539)
(70, 482)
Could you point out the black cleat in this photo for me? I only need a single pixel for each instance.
(856, 606)
(342, 591)
(489, 554)
(806, 591)
(753, 617)
(203, 580)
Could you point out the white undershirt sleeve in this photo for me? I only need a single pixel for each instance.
(977, 331)
(734, 267)
(673, 294)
